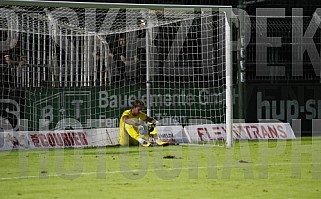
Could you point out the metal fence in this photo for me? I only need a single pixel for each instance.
(43, 53)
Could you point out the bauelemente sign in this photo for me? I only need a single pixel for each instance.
(90, 104)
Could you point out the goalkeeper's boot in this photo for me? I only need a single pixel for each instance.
(146, 144)
(161, 143)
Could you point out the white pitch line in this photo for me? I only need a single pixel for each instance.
(150, 170)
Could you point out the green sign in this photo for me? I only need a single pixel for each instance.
(50, 108)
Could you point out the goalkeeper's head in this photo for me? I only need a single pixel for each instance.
(137, 106)
(138, 103)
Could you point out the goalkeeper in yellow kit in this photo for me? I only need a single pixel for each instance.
(133, 128)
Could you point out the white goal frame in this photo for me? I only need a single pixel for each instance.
(228, 44)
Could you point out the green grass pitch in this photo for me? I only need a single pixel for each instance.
(251, 169)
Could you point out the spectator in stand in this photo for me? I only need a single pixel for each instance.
(10, 61)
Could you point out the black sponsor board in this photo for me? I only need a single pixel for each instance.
(284, 102)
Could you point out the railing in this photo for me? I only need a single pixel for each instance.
(42, 53)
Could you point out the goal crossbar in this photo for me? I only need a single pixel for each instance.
(102, 5)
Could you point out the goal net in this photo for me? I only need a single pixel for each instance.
(72, 66)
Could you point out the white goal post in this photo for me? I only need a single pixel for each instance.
(88, 61)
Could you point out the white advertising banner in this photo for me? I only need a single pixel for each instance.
(58, 139)
(212, 132)
(13, 140)
(74, 138)
(172, 134)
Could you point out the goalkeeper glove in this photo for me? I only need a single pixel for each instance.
(151, 127)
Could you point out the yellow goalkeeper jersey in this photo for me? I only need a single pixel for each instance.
(128, 134)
